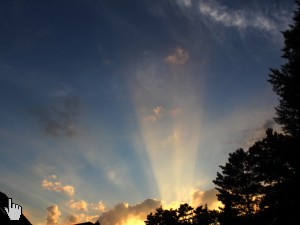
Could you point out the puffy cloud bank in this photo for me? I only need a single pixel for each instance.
(53, 215)
(124, 213)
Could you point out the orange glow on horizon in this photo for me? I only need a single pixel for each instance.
(133, 220)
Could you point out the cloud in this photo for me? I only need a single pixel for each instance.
(111, 175)
(85, 206)
(51, 184)
(179, 57)
(114, 176)
(186, 3)
(74, 219)
(99, 207)
(53, 215)
(174, 138)
(61, 118)
(123, 213)
(260, 133)
(205, 197)
(235, 18)
(53, 176)
(80, 218)
(157, 113)
(79, 205)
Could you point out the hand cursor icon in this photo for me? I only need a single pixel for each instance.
(13, 210)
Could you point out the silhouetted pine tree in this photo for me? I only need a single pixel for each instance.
(204, 216)
(239, 191)
(286, 80)
(272, 161)
(286, 84)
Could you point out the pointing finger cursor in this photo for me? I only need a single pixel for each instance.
(13, 210)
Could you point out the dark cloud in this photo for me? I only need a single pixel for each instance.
(61, 117)
(253, 136)
(269, 124)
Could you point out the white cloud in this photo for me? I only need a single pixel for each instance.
(235, 18)
(124, 213)
(179, 57)
(51, 184)
(53, 215)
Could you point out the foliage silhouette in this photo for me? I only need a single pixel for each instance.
(286, 80)
(259, 186)
(184, 215)
(238, 188)
(273, 162)
(204, 216)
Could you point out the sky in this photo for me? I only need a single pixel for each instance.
(110, 109)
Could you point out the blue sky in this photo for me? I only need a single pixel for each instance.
(113, 108)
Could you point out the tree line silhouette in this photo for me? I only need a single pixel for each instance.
(258, 185)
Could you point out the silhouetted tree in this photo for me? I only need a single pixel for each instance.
(238, 188)
(162, 217)
(185, 214)
(273, 162)
(259, 186)
(204, 216)
(282, 166)
(228, 214)
(286, 80)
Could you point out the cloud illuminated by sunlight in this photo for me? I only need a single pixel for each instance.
(51, 184)
(179, 57)
(79, 205)
(132, 220)
(126, 214)
(208, 197)
(79, 218)
(123, 213)
(53, 214)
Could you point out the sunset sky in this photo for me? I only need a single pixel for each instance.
(112, 108)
